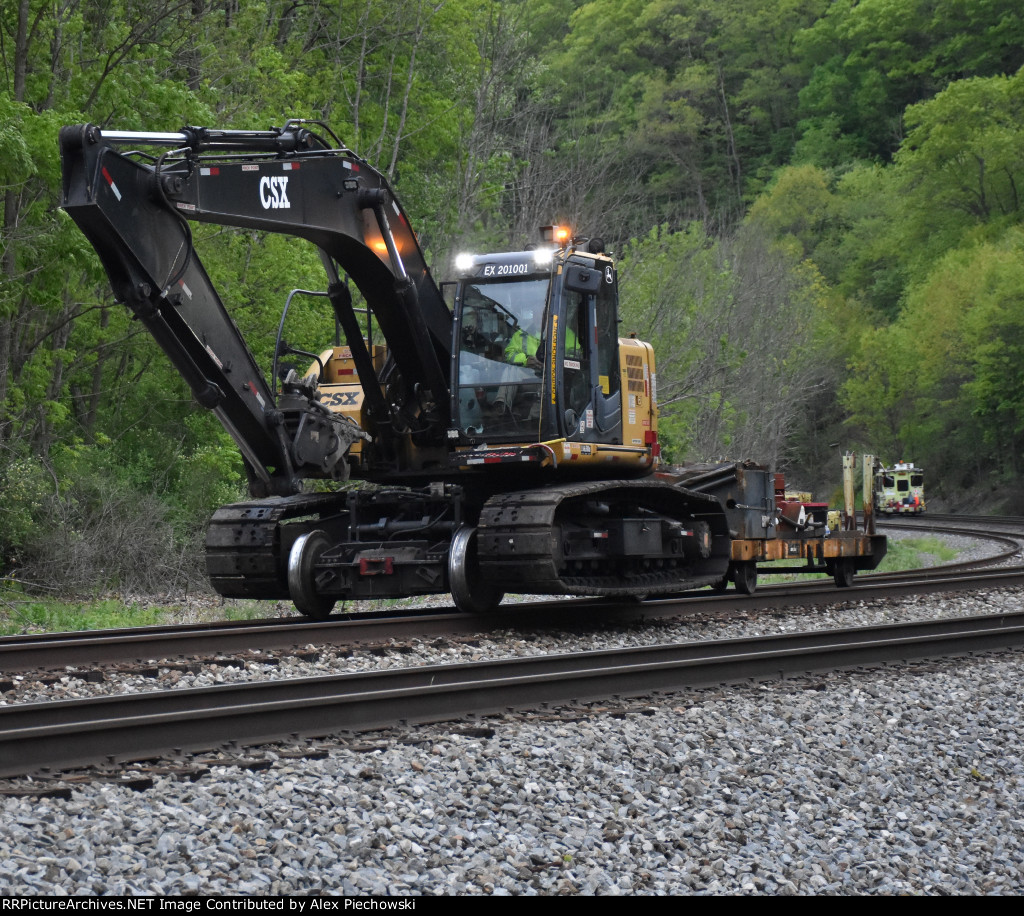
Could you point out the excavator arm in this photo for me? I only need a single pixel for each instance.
(136, 208)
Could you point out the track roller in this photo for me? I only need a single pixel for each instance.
(721, 585)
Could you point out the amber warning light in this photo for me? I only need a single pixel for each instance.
(556, 234)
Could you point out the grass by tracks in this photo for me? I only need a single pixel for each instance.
(23, 612)
(915, 553)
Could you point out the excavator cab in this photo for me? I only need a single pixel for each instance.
(499, 328)
(538, 358)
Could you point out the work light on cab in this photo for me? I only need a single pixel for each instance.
(556, 235)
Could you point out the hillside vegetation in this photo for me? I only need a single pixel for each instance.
(816, 205)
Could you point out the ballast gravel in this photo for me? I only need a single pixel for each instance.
(900, 780)
(890, 782)
(332, 660)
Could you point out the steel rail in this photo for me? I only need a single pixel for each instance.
(64, 650)
(821, 593)
(1009, 521)
(149, 644)
(143, 726)
(102, 646)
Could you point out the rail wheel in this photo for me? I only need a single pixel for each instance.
(842, 573)
(302, 558)
(744, 574)
(473, 594)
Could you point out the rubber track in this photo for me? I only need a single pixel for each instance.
(244, 556)
(517, 542)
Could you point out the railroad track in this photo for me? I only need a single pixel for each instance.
(150, 645)
(961, 522)
(140, 726)
(71, 733)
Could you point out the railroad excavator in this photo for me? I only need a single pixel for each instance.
(504, 436)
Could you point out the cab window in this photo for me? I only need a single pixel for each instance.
(500, 337)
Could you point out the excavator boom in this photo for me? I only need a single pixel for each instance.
(136, 208)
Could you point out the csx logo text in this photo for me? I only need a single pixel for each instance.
(274, 193)
(341, 399)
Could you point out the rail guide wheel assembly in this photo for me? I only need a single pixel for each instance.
(843, 572)
(473, 594)
(302, 558)
(744, 574)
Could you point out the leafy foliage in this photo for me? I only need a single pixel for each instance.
(741, 346)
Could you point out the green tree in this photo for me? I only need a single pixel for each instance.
(961, 169)
(739, 337)
(867, 60)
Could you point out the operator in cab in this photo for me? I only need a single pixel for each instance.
(521, 349)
